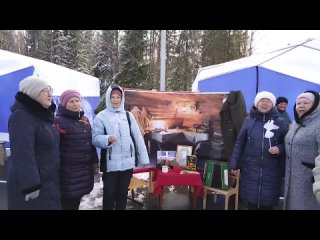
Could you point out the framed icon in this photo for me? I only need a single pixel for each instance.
(182, 152)
(192, 162)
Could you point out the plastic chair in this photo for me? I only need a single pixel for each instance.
(234, 190)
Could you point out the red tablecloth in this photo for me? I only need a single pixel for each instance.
(177, 179)
(142, 170)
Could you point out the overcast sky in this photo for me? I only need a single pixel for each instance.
(269, 40)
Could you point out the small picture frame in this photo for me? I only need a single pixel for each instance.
(182, 152)
(166, 155)
(192, 162)
(161, 155)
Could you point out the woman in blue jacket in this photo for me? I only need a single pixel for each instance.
(259, 153)
(111, 131)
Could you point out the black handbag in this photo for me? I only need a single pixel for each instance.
(103, 157)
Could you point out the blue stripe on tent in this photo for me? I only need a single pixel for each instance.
(247, 80)
(243, 80)
(9, 86)
(283, 85)
(93, 104)
(89, 104)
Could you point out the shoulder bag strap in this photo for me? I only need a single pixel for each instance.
(133, 140)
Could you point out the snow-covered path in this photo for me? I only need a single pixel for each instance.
(93, 201)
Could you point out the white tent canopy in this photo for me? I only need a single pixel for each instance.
(60, 78)
(300, 61)
(15, 67)
(285, 72)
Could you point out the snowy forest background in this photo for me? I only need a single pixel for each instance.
(131, 58)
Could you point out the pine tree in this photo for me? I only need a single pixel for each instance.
(219, 46)
(61, 48)
(84, 49)
(133, 68)
(184, 58)
(38, 44)
(7, 40)
(106, 63)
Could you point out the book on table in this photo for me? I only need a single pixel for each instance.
(192, 162)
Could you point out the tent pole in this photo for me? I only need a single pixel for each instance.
(163, 61)
(257, 79)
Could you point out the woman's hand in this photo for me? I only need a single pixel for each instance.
(112, 139)
(274, 150)
(234, 172)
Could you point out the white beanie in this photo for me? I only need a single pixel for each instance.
(267, 95)
(307, 95)
(32, 86)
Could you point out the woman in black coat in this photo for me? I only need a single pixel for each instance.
(79, 160)
(33, 168)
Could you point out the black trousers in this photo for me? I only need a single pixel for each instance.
(115, 189)
(70, 203)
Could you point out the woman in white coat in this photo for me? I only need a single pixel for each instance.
(111, 131)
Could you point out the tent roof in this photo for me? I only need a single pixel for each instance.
(301, 61)
(60, 78)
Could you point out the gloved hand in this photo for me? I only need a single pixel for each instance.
(96, 168)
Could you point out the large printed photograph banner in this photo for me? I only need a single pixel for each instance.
(169, 119)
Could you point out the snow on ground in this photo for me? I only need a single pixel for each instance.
(93, 201)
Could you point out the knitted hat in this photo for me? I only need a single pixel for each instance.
(116, 91)
(307, 95)
(281, 100)
(312, 96)
(66, 95)
(267, 95)
(32, 86)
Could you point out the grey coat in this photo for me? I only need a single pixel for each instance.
(316, 174)
(302, 145)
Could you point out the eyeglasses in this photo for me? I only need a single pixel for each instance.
(48, 90)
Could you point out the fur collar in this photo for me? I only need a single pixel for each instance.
(35, 108)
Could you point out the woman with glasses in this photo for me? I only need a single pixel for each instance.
(78, 157)
(34, 167)
(111, 131)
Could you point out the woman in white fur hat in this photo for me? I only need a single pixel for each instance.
(33, 170)
(302, 149)
(259, 153)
